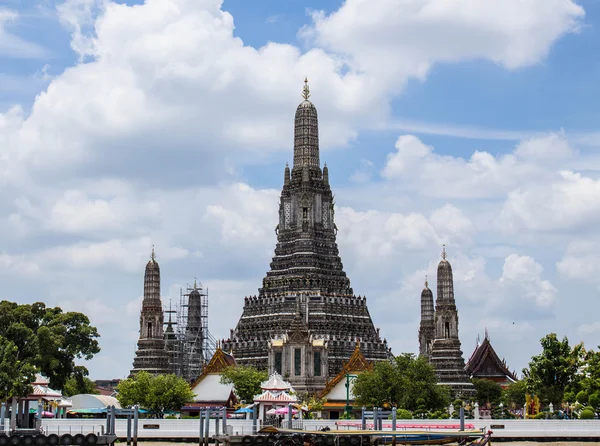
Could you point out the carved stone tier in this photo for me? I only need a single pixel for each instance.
(306, 281)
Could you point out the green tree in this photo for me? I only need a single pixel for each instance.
(79, 383)
(594, 400)
(155, 393)
(246, 381)
(488, 391)
(16, 375)
(407, 383)
(48, 339)
(582, 397)
(514, 395)
(551, 372)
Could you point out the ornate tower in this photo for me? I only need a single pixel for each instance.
(151, 355)
(446, 355)
(306, 321)
(427, 328)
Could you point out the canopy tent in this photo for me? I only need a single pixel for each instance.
(284, 410)
(245, 410)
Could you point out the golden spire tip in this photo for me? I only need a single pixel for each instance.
(306, 90)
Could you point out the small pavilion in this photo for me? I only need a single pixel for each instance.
(276, 394)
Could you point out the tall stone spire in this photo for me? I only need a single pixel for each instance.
(306, 320)
(427, 327)
(151, 355)
(446, 354)
(306, 133)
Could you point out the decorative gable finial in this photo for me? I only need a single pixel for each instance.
(306, 90)
(444, 255)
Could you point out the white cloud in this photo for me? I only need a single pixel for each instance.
(581, 260)
(525, 272)
(483, 175)
(412, 35)
(570, 202)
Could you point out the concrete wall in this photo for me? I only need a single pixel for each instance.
(190, 428)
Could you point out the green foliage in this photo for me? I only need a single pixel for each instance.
(514, 395)
(403, 414)
(582, 397)
(403, 383)
(550, 372)
(16, 375)
(79, 383)
(569, 397)
(246, 381)
(594, 400)
(587, 414)
(488, 391)
(47, 340)
(156, 394)
(347, 416)
(541, 416)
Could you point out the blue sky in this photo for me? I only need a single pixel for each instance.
(124, 125)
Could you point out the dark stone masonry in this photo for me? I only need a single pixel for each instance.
(306, 320)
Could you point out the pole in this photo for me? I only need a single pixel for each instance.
(364, 419)
(290, 409)
(135, 425)
(462, 418)
(38, 421)
(108, 420)
(113, 420)
(2, 416)
(128, 430)
(201, 433)
(224, 416)
(254, 418)
(394, 415)
(207, 428)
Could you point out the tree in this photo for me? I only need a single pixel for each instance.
(550, 372)
(48, 339)
(514, 395)
(406, 383)
(488, 391)
(246, 381)
(79, 383)
(155, 393)
(16, 375)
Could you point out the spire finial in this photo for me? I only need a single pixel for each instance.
(153, 256)
(195, 283)
(306, 90)
(426, 282)
(444, 255)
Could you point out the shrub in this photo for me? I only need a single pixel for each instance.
(594, 400)
(541, 416)
(403, 414)
(569, 397)
(587, 414)
(582, 397)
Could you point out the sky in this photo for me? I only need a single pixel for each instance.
(473, 124)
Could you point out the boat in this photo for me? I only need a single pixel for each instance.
(290, 437)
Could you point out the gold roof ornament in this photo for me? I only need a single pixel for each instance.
(306, 90)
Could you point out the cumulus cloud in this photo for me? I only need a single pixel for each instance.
(143, 140)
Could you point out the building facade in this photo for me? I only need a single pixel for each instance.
(151, 355)
(306, 320)
(485, 363)
(445, 353)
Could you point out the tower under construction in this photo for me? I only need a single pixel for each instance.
(190, 344)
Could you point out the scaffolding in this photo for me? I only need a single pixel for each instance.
(191, 346)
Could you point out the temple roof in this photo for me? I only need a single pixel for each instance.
(356, 363)
(485, 354)
(219, 362)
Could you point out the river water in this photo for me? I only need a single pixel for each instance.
(519, 443)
